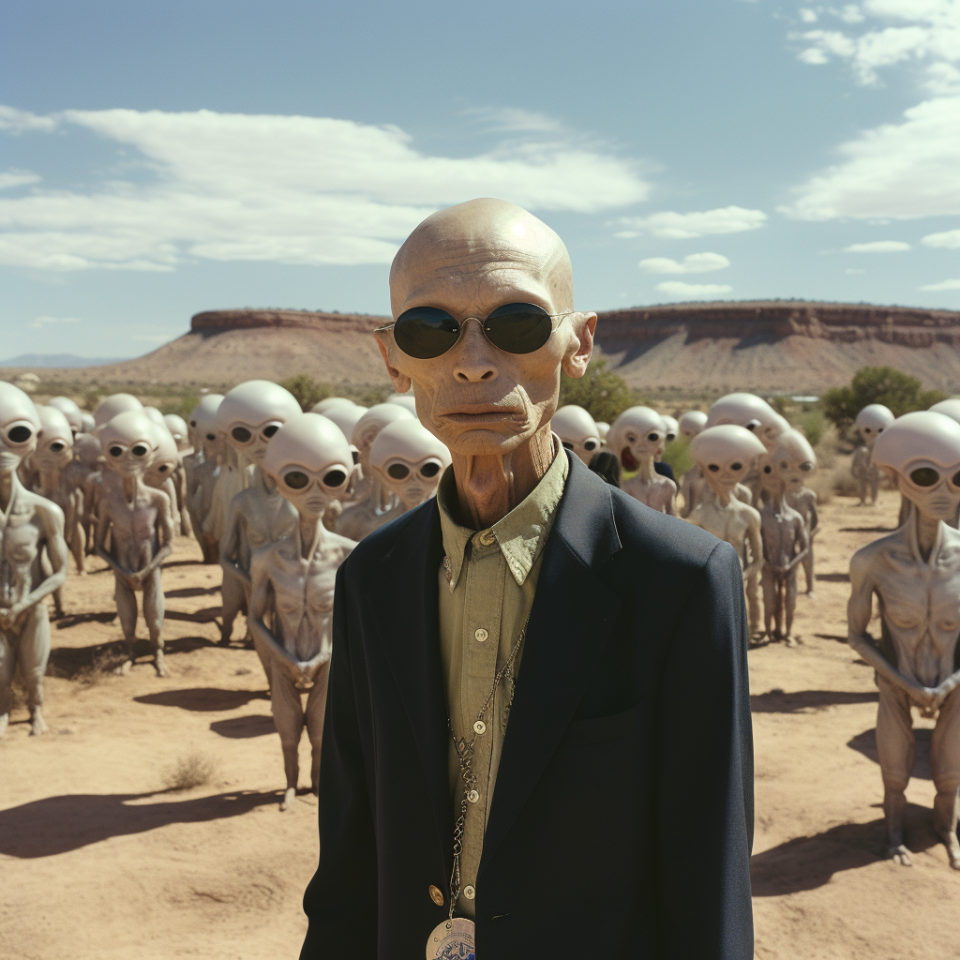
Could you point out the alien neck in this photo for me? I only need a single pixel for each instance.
(645, 471)
(724, 495)
(776, 498)
(9, 487)
(489, 487)
(312, 534)
(49, 481)
(927, 530)
(132, 484)
(262, 482)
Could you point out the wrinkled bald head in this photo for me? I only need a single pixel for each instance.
(469, 260)
(481, 242)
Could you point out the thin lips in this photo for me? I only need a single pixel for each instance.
(481, 409)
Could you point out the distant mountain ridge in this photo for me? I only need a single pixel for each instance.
(61, 361)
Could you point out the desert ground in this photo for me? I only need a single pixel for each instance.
(101, 858)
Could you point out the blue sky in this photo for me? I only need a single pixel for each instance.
(162, 158)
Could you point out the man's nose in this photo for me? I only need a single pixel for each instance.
(474, 360)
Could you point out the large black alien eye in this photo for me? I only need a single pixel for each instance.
(116, 451)
(211, 436)
(653, 437)
(19, 434)
(768, 469)
(589, 445)
(334, 478)
(241, 434)
(296, 479)
(430, 469)
(714, 468)
(56, 447)
(163, 468)
(269, 431)
(398, 471)
(139, 450)
(736, 466)
(925, 476)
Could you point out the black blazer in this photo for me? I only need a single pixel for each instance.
(622, 821)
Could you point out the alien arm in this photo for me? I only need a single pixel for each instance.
(230, 544)
(801, 541)
(859, 611)
(51, 517)
(814, 517)
(104, 523)
(259, 605)
(165, 529)
(755, 544)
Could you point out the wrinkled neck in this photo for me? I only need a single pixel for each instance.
(312, 533)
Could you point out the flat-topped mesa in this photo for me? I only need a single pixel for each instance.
(214, 321)
(843, 323)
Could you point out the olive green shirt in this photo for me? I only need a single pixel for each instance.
(487, 582)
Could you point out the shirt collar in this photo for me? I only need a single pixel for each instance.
(520, 535)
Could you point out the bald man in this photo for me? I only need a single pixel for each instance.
(537, 739)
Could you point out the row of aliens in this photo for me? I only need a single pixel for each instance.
(278, 498)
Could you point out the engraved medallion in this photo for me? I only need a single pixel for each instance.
(453, 940)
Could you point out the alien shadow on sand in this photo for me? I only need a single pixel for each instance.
(55, 825)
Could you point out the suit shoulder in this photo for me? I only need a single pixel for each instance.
(377, 544)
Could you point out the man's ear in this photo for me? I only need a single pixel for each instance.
(400, 381)
(575, 364)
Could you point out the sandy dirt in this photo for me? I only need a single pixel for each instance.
(99, 860)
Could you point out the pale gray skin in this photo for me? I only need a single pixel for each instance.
(805, 503)
(648, 486)
(191, 464)
(866, 474)
(138, 520)
(361, 519)
(231, 479)
(258, 516)
(31, 527)
(204, 480)
(915, 573)
(689, 489)
(72, 481)
(292, 587)
(785, 544)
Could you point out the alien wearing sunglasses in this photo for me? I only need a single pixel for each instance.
(915, 573)
(291, 603)
(138, 521)
(250, 416)
(203, 470)
(30, 526)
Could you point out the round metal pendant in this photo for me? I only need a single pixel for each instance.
(453, 940)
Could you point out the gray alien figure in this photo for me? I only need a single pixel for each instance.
(577, 431)
(250, 415)
(797, 464)
(291, 606)
(785, 537)
(638, 437)
(138, 521)
(53, 454)
(872, 420)
(915, 573)
(30, 527)
(725, 454)
(202, 473)
(84, 474)
(180, 433)
(370, 501)
(71, 411)
(690, 424)
(116, 403)
(161, 472)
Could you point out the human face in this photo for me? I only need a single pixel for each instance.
(480, 400)
(933, 489)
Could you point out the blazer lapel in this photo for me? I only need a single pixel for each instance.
(573, 613)
(408, 625)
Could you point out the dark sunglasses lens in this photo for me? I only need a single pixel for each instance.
(335, 478)
(116, 451)
(241, 434)
(518, 327)
(425, 332)
(429, 470)
(925, 477)
(19, 434)
(398, 471)
(139, 450)
(296, 479)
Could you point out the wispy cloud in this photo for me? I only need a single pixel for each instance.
(689, 226)
(40, 322)
(513, 120)
(878, 246)
(286, 189)
(694, 263)
(943, 285)
(949, 239)
(17, 178)
(677, 289)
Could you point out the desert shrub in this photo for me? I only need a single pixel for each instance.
(190, 770)
(91, 400)
(181, 406)
(306, 390)
(678, 455)
(812, 424)
(601, 392)
(887, 385)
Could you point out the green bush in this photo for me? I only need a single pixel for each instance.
(678, 455)
(887, 385)
(306, 390)
(601, 392)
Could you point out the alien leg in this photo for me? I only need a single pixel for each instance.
(127, 611)
(232, 594)
(288, 718)
(874, 489)
(790, 604)
(153, 610)
(769, 599)
(896, 749)
(316, 705)
(752, 591)
(34, 654)
(8, 666)
(945, 763)
(807, 562)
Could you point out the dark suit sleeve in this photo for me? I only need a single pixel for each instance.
(341, 899)
(704, 785)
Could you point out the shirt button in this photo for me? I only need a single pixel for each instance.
(481, 634)
(488, 537)
(480, 727)
(469, 892)
(435, 895)
(473, 796)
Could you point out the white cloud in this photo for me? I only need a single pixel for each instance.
(39, 322)
(807, 15)
(878, 246)
(909, 169)
(17, 178)
(513, 120)
(694, 263)
(851, 14)
(943, 285)
(692, 291)
(17, 121)
(688, 226)
(949, 239)
(301, 190)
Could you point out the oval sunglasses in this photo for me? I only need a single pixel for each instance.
(429, 332)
